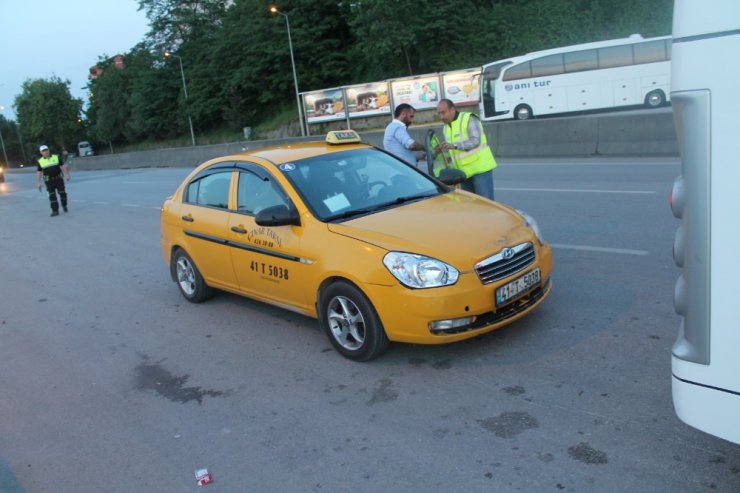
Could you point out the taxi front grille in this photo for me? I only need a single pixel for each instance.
(498, 266)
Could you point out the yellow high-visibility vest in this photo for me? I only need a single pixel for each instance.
(47, 162)
(475, 161)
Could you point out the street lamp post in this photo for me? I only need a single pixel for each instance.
(185, 90)
(274, 10)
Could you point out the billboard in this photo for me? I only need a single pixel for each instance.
(368, 99)
(462, 87)
(419, 92)
(323, 106)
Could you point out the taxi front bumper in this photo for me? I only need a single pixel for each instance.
(408, 315)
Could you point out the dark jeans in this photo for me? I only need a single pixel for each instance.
(55, 184)
(481, 184)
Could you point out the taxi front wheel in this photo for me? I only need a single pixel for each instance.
(351, 323)
(191, 283)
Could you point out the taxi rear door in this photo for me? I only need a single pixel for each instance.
(204, 216)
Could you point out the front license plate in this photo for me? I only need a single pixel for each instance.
(518, 286)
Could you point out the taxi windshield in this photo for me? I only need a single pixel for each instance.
(351, 183)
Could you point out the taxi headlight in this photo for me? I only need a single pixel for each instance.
(529, 220)
(419, 271)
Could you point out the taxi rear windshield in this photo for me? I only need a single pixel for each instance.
(356, 182)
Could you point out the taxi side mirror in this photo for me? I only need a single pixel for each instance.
(278, 215)
(451, 176)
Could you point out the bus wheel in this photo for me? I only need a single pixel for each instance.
(523, 112)
(655, 99)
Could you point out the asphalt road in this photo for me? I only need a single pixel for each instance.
(112, 382)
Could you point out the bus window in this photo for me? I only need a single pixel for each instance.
(579, 61)
(520, 71)
(548, 65)
(615, 56)
(650, 52)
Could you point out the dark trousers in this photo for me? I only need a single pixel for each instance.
(55, 184)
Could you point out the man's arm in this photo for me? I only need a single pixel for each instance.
(65, 169)
(474, 133)
(408, 142)
(38, 179)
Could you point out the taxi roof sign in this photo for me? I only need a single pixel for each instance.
(343, 137)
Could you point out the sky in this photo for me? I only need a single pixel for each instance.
(44, 38)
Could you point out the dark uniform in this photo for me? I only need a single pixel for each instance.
(51, 167)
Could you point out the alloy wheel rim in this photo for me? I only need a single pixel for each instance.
(186, 276)
(346, 323)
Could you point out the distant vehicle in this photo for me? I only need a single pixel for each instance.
(85, 149)
(2, 173)
(606, 74)
(341, 231)
(704, 363)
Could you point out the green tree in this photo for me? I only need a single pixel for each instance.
(48, 114)
(11, 141)
(174, 22)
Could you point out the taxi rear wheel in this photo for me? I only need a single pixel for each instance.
(351, 323)
(188, 278)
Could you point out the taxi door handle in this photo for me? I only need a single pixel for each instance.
(187, 218)
(239, 230)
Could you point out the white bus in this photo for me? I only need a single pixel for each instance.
(606, 74)
(705, 360)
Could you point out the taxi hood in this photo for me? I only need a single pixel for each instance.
(458, 228)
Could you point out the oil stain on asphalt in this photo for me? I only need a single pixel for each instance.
(509, 425)
(157, 378)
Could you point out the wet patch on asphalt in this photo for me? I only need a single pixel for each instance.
(587, 454)
(509, 425)
(155, 377)
(383, 393)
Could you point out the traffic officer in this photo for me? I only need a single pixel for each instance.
(468, 148)
(51, 167)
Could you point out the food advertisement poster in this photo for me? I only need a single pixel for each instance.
(368, 99)
(323, 106)
(421, 93)
(462, 87)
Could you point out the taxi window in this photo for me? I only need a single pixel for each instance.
(336, 185)
(210, 191)
(255, 193)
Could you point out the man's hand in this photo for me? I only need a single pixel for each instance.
(39, 185)
(69, 177)
(446, 146)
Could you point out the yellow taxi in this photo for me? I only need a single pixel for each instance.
(344, 232)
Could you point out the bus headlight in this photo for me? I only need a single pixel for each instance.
(419, 271)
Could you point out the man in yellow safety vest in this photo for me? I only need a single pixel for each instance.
(466, 143)
(51, 168)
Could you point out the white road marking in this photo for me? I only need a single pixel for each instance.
(130, 205)
(566, 190)
(587, 248)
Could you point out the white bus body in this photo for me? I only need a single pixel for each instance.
(85, 149)
(705, 359)
(592, 76)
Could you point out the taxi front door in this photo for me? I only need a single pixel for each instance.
(266, 260)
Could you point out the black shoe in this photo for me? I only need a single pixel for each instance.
(54, 213)
(65, 208)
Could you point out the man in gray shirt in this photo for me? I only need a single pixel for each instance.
(397, 140)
